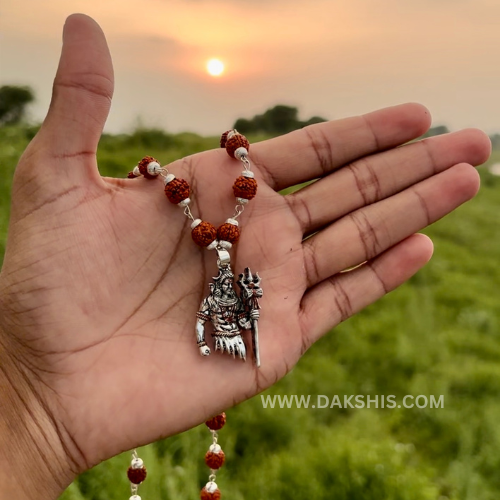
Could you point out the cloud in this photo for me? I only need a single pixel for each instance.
(147, 50)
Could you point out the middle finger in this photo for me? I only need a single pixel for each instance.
(379, 176)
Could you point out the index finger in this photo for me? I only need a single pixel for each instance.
(317, 150)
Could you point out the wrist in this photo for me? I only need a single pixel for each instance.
(33, 462)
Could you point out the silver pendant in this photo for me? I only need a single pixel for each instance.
(230, 313)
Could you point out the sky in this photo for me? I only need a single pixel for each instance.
(332, 58)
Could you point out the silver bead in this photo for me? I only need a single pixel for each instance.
(169, 178)
(137, 463)
(195, 223)
(184, 203)
(215, 448)
(223, 258)
(231, 133)
(225, 244)
(212, 245)
(248, 173)
(154, 168)
(135, 497)
(211, 486)
(242, 201)
(241, 153)
(234, 222)
(137, 172)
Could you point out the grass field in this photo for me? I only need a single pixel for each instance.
(439, 334)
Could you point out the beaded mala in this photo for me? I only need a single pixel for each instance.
(214, 459)
(228, 312)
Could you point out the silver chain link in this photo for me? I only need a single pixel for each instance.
(238, 210)
(246, 163)
(187, 212)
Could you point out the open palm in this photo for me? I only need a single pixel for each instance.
(101, 280)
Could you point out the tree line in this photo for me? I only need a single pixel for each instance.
(280, 119)
(277, 120)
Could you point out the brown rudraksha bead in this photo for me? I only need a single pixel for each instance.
(223, 138)
(216, 423)
(236, 141)
(143, 167)
(228, 232)
(206, 495)
(177, 190)
(136, 476)
(245, 187)
(215, 460)
(203, 234)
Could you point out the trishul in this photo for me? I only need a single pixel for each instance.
(250, 293)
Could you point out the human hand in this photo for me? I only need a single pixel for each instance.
(101, 281)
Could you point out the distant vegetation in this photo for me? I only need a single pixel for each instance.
(437, 130)
(13, 102)
(280, 119)
(277, 120)
(495, 141)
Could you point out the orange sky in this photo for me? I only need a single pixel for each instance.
(328, 57)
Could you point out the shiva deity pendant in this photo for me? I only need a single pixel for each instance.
(230, 313)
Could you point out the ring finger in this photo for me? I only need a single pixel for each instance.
(367, 232)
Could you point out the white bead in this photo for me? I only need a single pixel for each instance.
(154, 168)
(136, 463)
(195, 223)
(185, 202)
(215, 448)
(225, 244)
(135, 497)
(169, 178)
(242, 201)
(234, 222)
(231, 133)
(136, 171)
(240, 153)
(211, 486)
(248, 173)
(212, 245)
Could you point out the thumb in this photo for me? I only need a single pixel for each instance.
(61, 158)
(82, 93)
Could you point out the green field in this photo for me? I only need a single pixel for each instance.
(437, 335)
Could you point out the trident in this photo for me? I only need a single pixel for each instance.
(251, 292)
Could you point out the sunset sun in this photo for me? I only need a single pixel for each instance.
(215, 67)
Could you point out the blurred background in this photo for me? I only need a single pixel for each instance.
(187, 70)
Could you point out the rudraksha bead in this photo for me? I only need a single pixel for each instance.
(215, 460)
(131, 175)
(207, 495)
(143, 167)
(223, 138)
(177, 190)
(136, 476)
(204, 233)
(245, 187)
(228, 232)
(216, 423)
(236, 141)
